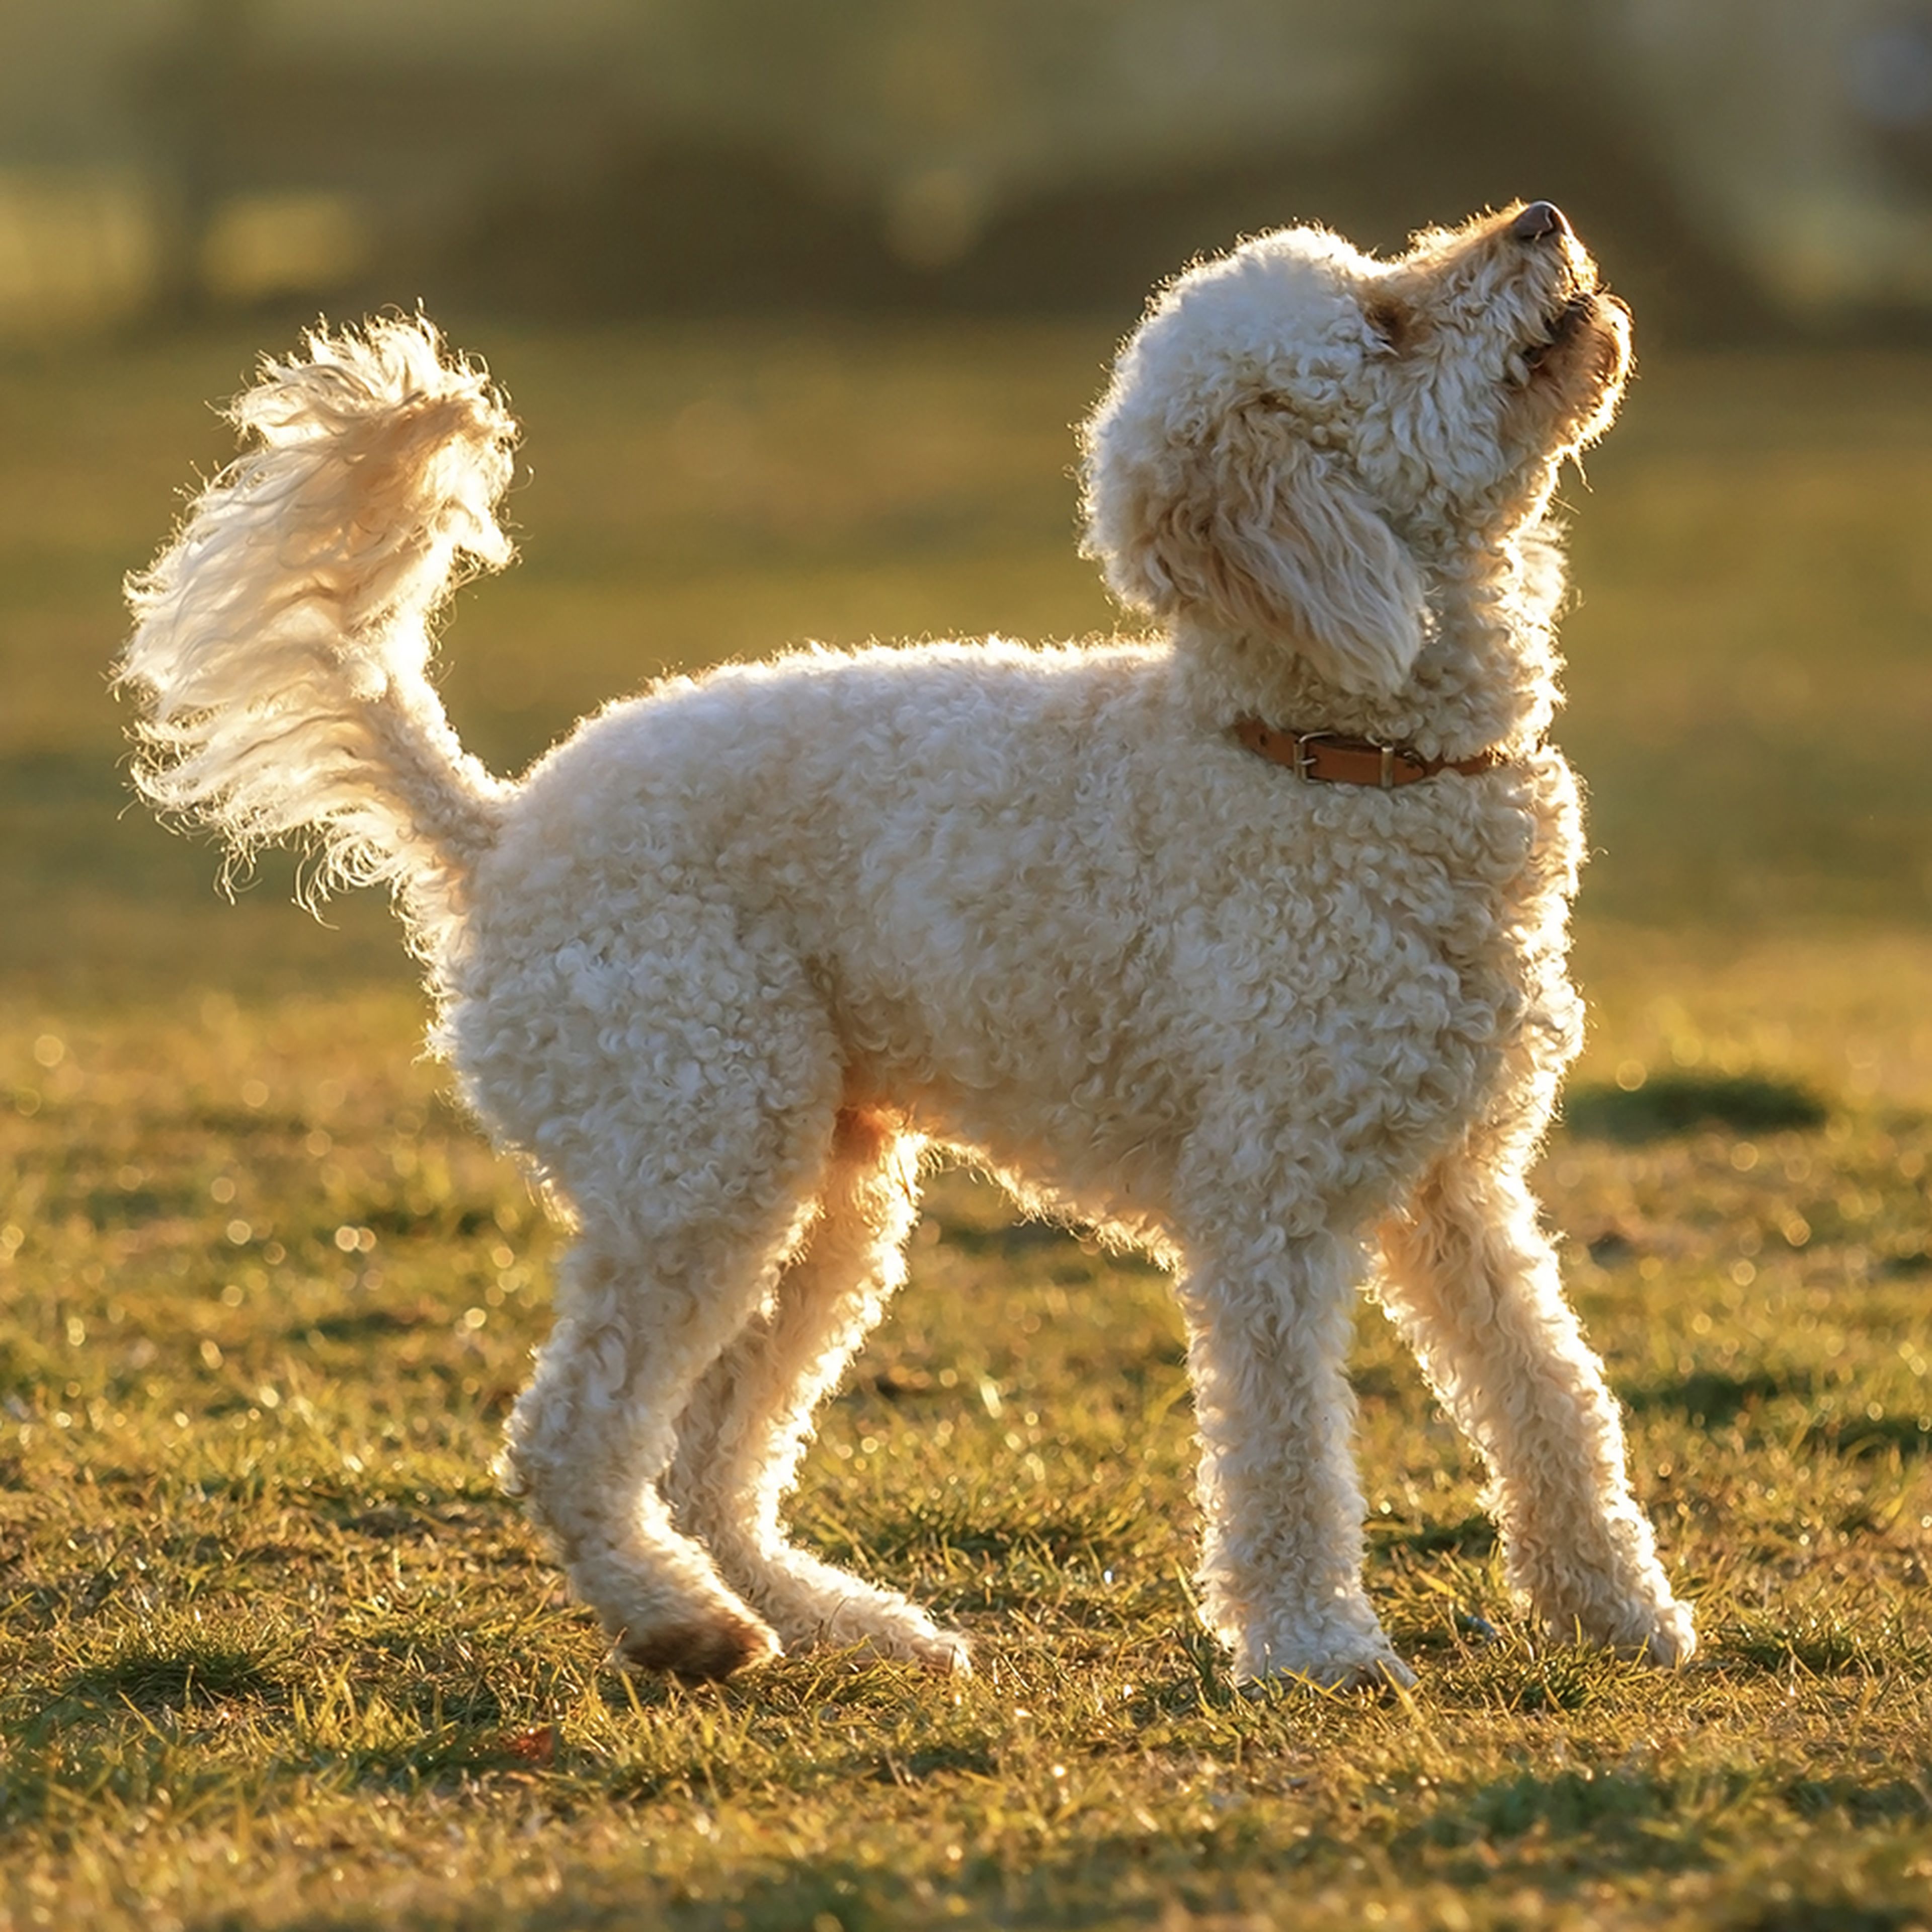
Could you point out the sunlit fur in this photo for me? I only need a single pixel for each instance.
(721, 964)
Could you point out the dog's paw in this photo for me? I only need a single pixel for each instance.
(1385, 1672)
(700, 1649)
(1670, 1641)
(1337, 1646)
(814, 1606)
(1656, 1629)
(1322, 1660)
(943, 1652)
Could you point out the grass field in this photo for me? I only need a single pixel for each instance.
(273, 1653)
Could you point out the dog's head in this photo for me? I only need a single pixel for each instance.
(1297, 431)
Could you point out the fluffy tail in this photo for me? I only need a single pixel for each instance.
(282, 641)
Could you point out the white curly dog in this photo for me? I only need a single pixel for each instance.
(1242, 943)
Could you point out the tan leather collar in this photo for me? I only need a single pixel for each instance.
(1330, 760)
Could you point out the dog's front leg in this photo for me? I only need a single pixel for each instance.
(1269, 1323)
(1472, 1282)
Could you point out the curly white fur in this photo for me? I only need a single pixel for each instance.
(283, 642)
(723, 962)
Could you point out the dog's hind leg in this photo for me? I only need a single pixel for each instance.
(746, 1426)
(689, 1137)
(1270, 1318)
(1472, 1282)
(591, 1436)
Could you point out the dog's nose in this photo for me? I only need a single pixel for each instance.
(1539, 219)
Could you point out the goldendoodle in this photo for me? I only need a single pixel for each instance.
(1242, 941)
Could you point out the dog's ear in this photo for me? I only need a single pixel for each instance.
(1271, 535)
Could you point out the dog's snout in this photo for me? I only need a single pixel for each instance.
(1539, 219)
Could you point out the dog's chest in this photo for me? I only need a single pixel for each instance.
(1408, 939)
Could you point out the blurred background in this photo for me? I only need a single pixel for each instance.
(1756, 166)
(799, 304)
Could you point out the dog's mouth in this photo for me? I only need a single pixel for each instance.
(1560, 328)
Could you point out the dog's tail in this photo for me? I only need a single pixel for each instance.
(282, 641)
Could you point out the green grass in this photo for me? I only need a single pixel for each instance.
(273, 1653)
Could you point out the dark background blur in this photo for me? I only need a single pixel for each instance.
(1751, 170)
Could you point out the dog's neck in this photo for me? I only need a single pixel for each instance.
(1486, 677)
